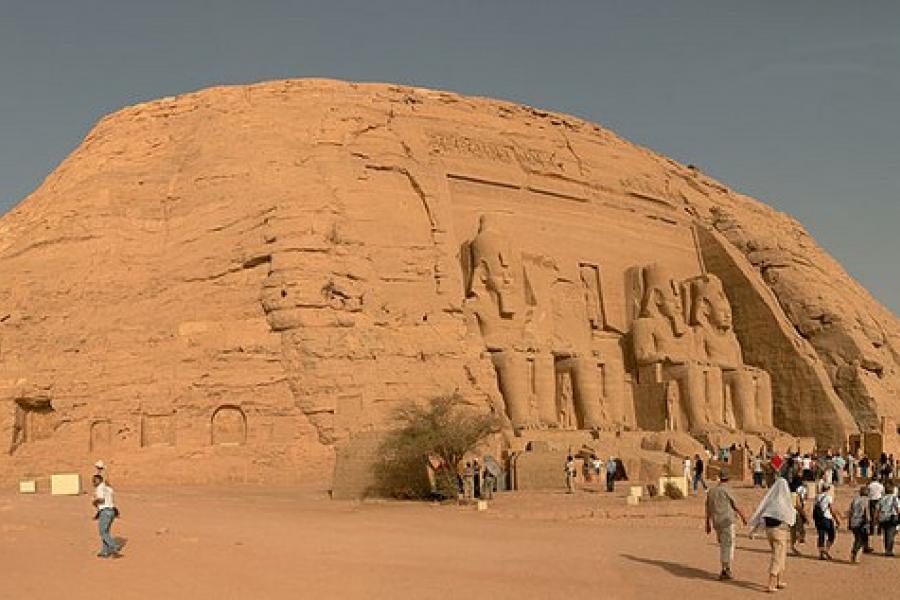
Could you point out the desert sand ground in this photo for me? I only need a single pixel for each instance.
(258, 543)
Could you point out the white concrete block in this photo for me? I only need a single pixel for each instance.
(636, 491)
(632, 500)
(65, 484)
(482, 505)
(27, 486)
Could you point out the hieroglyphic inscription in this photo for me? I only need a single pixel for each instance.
(452, 143)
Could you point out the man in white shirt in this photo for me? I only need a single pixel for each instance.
(826, 522)
(104, 502)
(806, 463)
(876, 491)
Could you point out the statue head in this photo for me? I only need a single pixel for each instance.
(662, 298)
(709, 303)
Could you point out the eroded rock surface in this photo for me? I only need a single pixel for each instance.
(224, 285)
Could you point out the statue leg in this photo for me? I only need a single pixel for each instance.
(613, 393)
(743, 393)
(512, 372)
(692, 387)
(587, 392)
(764, 408)
(545, 389)
(716, 413)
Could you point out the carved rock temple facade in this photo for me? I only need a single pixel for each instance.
(232, 284)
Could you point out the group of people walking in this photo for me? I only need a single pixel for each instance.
(782, 513)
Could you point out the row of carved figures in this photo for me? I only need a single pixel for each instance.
(687, 367)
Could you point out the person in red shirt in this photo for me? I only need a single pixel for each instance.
(776, 462)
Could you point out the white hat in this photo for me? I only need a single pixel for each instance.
(99, 464)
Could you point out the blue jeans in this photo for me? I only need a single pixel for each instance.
(104, 522)
(698, 480)
(826, 531)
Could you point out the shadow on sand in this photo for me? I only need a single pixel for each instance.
(686, 572)
(790, 556)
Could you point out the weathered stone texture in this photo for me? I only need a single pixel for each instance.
(296, 254)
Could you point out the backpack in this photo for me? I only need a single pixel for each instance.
(890, 516)
(818, 512)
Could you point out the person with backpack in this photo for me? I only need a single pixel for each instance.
(826, 521)
(858, 518)
(888, 516)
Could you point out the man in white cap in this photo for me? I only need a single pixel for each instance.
(101, 470)
(104, 503)
(721, 510)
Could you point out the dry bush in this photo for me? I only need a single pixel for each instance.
(445, 429)
(673, 491)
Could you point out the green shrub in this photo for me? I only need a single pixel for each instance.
(441, 432)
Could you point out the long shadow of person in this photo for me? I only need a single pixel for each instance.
(687, 572)
(816, 558)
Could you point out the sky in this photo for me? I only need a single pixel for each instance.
(795, 103)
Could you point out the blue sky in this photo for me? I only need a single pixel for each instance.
(795, 103)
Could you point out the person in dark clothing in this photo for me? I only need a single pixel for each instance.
(698, 473)
(611, 474)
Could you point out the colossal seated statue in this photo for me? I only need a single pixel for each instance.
(664, 351)
(495, 298)
(516, 306)
(747, 389)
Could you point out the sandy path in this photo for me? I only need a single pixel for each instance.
(251, 543)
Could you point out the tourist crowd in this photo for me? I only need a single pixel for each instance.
(801, 490)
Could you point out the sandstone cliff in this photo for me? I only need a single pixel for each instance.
(227, 283)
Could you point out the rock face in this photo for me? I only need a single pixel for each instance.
(225, 285)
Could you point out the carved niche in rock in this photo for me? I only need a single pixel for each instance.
(34, 420)
(229, 426)
(593, 300)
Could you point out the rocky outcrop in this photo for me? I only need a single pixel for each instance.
(242, 277)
